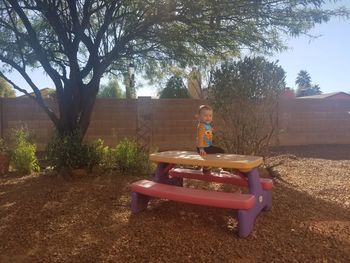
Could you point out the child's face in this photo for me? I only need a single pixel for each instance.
(206, 116)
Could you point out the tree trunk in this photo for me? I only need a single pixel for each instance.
(87, 109)
(87, 105)
(76, 107)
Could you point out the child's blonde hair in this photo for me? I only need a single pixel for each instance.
(204, 107)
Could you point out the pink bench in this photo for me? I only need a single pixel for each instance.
(224, 178)
(189, 195)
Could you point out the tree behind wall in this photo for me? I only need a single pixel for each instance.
(111, 90)
(174, 89)
(6, 91)
(304, 86)
(77, 41)
(244, 95)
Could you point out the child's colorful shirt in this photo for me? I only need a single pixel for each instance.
(204, 135)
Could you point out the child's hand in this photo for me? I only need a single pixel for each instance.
(202, 152)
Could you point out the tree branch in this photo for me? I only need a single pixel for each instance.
(37, 99)
(34, 42)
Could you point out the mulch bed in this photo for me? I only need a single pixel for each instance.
(50, 218)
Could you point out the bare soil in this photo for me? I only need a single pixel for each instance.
(51, 218)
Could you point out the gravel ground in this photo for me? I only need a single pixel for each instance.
(50, 218)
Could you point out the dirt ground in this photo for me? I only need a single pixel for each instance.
(50, 218)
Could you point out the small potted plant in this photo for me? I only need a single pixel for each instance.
(4, 158)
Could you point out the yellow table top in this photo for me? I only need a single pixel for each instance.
(241, 162)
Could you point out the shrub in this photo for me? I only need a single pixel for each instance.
(245, 96)
(175, 89)
(3, 146)
(108, 158)
(23, 153)
(132, 158)
(4, 157)
(70, 152)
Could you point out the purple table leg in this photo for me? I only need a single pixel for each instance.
(139, 202)
(162, 175)
(246, 218)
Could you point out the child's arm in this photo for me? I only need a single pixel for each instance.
(200, 139)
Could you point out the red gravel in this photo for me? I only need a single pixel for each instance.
(46, 218)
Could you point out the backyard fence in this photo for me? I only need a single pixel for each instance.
(171, 123)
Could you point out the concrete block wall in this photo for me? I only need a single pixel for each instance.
(171, 123)
(314, 121)
(112, 120)
(24, 112)
(174, 123)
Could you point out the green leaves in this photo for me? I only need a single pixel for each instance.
(183, 31)
(23, 152)
(244, 94)
(249, 79)
(6, 91)
(111, 90)
(305, 88)
(175, 89)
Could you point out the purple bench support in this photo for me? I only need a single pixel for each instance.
(139, 202)
(246, 218)
(162, 175)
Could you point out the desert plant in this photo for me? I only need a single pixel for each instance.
(132, 158)
(3, 146)
(108, 159)
(245, 95)
(70, 152)
(4, 157)
(23, 152)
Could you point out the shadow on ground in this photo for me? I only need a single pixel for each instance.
(49, 219)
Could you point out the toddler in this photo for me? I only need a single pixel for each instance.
(205, 132)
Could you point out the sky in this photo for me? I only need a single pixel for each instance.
(326, 59)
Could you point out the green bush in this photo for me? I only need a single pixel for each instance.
(108, 159)
(244, 95)
(131, 158)
(3, 146)
(70, 152)
(23, 153)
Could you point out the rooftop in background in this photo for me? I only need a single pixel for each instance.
(288, 93)
(332, 95)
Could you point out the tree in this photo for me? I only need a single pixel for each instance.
(316, 89)
(244, 95)
(77, 41)
(6, 91)
(175, 88)
(303, 80)
(51, 93)
(304, 86)
(111, 90)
